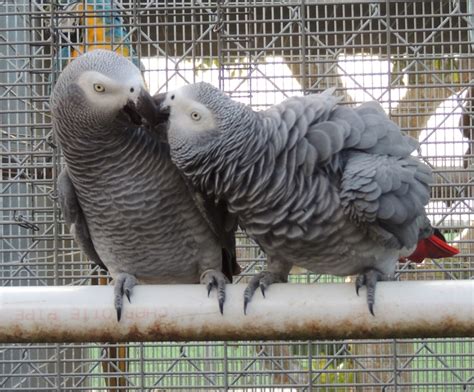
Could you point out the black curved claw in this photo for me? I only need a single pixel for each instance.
(209, 288)
(118, 302)
(246, 302)
(221, 301)
(119, 313)
(127, 294)
(262, 280)
(123, 285)
(217, 280)
(369, 278)
(371, 309)
(360, 281)
(249, 291)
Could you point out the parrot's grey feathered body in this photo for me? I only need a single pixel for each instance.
(129, 207)
(324, 186)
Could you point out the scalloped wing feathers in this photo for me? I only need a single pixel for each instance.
(319, 129)
(391, 191)
(379, 181)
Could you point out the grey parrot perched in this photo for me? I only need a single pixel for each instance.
(129, 208)
(327, 187)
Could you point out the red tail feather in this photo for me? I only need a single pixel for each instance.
(433, 247)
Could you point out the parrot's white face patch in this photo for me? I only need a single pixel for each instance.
(107, 94)
(187, 115)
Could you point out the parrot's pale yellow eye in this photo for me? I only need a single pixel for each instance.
(99, 87)
(195, 116)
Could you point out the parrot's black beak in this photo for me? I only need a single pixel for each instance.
(144, 111)
(131, 112)
(148, 110)
(163, 112)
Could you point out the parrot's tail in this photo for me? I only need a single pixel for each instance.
(434, 247)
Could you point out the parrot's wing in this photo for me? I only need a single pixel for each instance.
(386, 190)
(296, 119)
(74, 217)
(223, 225)
(381, 182)
(314, 130)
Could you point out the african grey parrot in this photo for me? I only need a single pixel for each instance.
(129, 208)
(317, 184)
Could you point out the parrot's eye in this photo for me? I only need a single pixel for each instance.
(195, 116)
(99, 87)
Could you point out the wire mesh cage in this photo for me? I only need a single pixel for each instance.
(414, 57)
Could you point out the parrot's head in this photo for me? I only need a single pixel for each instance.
(102, 90)
(201, 119)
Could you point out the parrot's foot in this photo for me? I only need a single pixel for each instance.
(262, 280)
(123, 284)
(215, 279)
(369, 278)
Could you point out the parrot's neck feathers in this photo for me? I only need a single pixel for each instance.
(96, 154)
(239, 164)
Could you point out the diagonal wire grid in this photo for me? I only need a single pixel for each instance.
(416, 58)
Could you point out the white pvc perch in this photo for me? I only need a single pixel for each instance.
(290, 311)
